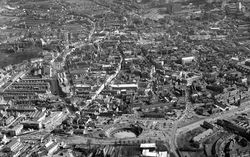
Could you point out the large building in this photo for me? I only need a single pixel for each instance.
(124, 86)
(202, 135)
(239, 128)
(16, 130)
(151, 150)
(32, 125)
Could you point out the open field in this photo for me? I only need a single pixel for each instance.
(15, 58)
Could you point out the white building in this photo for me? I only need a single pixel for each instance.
(149, 150)
(16, 130)
(124, 86)
(186, 60)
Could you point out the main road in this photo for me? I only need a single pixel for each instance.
(172, 142)
(107, 82)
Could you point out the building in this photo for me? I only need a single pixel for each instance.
(243, 67)
(47, 71)
(152, 115)
(187, 60)
(200, 37)
(52, 148)
(159, 106)
(186, 78)
(14, 145)
(207, 125)
(38, 116)
(35, 60)
(9, 120)
(238, 128)
(234, 8)
(32, 125)
(202, 135)
(124, 86)
(151, 150)
(16, 130)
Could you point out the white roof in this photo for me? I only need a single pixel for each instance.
(124, 85)
(128, 51)
(83, 85)
(147, 153)
(187, 58)
(129, 59)
(215, 28)
(148, 145)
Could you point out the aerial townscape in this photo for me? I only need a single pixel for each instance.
(125, 78)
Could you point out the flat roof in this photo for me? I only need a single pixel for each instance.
(156, 105)
(83, 85)
(148, 145)
(124, 85)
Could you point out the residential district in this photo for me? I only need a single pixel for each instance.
(125, 78)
